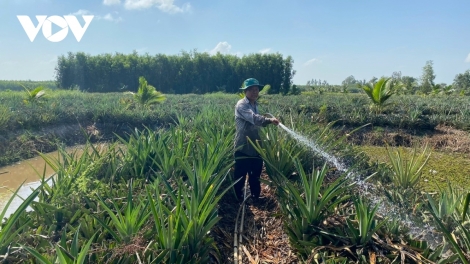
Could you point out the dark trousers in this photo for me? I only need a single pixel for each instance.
(246, 164)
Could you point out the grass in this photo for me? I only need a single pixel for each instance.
(441, 167)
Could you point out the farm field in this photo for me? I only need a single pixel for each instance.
(163, 194)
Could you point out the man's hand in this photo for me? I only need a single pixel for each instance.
(274, 121)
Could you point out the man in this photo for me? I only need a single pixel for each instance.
(248, 123)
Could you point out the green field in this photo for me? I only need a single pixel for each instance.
(163, 192)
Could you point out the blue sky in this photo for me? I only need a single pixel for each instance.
(328, 40)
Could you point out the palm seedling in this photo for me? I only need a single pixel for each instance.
(147, 95)
(33, 95)
(380, 92)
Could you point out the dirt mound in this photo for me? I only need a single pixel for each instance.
(449, 139)
(442, 138)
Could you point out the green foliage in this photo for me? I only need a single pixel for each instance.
(154, 196)
(459, 237)
(295, 90)
(278, 152)
(11, 227)
(33, 96)
(379, 92)
(183, 221)
(147, 95)
(363, 225)
(308, 204)
(70, 107)
(18, 85)
(462, 82)
(434, 172)
(5, 115)
(187, 72)
(65, 254)
(409, 85)
(427, 78)
(407, 171)
(451, 204)
(266, 89)
(78, 174)
(125, 223)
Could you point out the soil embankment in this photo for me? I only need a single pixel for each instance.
(20, 145)
(442, 138)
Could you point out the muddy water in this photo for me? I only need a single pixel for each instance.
(28, 171)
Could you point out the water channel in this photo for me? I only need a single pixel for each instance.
(28, 172)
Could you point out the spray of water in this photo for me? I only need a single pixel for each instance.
(425, 231)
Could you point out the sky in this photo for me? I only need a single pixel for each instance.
(328, 40)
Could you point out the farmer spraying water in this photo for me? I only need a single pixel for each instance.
(248, 123)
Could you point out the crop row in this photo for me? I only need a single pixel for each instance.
(68, 107)
(153, 197)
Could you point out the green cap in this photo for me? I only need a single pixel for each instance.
(252, 82)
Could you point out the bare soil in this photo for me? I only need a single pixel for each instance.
(442, 138)
(264, 239)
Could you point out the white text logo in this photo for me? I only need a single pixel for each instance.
(46, 22)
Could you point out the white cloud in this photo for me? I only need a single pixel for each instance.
(468, 58)
(264, 51)
(110, 17)
(309, 62)
(222, 47)
(111, 2)
(164, 5)
(82, 12)
(107, 17)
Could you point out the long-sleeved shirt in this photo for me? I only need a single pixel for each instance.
(248, 123)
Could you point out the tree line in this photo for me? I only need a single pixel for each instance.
(187, 72)
(424, 84)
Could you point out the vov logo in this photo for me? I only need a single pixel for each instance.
(46, 22)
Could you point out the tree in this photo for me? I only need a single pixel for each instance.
(350, 80)
(462, 82)
(409, 84)
(289, 73)
(373, 79)
(397, 83)
(427, 79)
(396, 76)
(295, 90)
